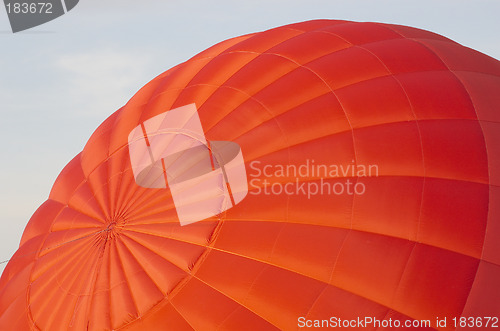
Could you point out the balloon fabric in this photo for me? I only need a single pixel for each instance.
(358, 177)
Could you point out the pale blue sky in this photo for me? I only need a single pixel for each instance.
(59, 81)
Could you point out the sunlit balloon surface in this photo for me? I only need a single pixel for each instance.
(372, 159)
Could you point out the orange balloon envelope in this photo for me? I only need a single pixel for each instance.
(314, 173)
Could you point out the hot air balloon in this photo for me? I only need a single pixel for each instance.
(312, 174)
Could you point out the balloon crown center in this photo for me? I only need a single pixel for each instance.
(110, 226)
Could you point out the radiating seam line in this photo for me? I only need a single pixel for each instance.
(53, 276)
(155, 253)
(48, 248)
(95, 277)
(79, 296)
(124, 274)
(142, 266)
